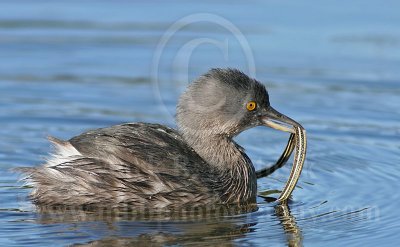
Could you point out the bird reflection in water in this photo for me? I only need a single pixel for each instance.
(222, 226)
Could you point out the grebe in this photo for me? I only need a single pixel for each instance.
(154, 166)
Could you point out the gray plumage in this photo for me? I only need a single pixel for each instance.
(153, 166)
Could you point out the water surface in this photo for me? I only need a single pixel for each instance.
(70, 66)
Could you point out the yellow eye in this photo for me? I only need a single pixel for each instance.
(251, 105)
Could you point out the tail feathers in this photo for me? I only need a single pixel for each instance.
(63, 149)
(25, 174)
(57, 142)
(25, 170)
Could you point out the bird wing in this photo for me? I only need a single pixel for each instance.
(136, 164)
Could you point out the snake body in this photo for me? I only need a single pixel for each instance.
(299, 158)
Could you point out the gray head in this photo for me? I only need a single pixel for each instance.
(224, 102)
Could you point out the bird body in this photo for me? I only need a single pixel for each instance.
(154, 166)
(136, 164)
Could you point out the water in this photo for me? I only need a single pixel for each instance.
(70, 66)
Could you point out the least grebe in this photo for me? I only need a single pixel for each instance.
(154, 166)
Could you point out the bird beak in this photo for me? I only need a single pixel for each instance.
(276, 120)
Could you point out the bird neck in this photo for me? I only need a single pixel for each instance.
(239, 182)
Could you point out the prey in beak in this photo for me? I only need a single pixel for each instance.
(276, 120)
(298, 140)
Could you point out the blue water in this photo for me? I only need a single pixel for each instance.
(70, 66)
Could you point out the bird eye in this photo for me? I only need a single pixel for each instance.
(251, 105)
